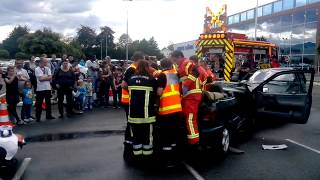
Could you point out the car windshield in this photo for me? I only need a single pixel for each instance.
(260, 76)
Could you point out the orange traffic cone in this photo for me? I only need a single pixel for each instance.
(4, 115)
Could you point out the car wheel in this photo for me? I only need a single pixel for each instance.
(223, 143)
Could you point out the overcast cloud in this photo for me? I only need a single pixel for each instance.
(166, 20)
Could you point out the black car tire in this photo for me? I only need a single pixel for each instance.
(222, 143)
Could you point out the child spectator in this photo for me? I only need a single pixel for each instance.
(89, 92)
(27, 101)
(118, 77)
(80, 95)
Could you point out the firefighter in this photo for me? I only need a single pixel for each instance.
(137, 56)
(169, 109)
(192, 79)
(211, 76)
(142, 95)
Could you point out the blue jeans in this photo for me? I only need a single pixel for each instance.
(26, 111)
(88, 102)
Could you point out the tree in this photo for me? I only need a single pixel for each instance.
(86, 37)
(74, 49)
(12, 42)
(123, 41)
(40, 42)
(170, 47)
(4, 54)
(262, 38)
(21, 55)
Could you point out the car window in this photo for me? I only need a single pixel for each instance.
(286, 84)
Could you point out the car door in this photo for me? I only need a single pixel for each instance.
(287, 95)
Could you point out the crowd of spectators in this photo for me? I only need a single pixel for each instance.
(77, 86)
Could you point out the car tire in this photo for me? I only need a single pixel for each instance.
(222, 143)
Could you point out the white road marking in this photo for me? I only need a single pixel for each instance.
(22, 168)
(194, 173)
(304, 146)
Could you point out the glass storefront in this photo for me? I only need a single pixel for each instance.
(295, 32)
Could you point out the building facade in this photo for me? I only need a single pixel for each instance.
(291, 24)
(187, 48)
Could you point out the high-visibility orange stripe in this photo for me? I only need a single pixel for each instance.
(170, 111)
(125, 96)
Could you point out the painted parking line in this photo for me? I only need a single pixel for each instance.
(21, 169)
(304, 146)
(194, 173)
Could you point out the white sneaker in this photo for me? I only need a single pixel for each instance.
(26, 120)
(31, 119)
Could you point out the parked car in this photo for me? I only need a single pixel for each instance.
(281, 94)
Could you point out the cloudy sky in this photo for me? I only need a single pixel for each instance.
(167, 20)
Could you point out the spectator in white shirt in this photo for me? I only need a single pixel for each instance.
(44, 76)
(22, 76)
(93, 69)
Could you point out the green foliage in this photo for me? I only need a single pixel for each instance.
(86, 37)
(150, 47)
(21, 55)
(73, 49)
(40, 42)
(12, 42)
(4, 54)
(123, 41)
(86, 44)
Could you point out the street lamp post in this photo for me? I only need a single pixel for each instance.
(256, 21)
(106, 45)
(101, 49)
(127, 41)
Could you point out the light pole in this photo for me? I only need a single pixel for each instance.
(256, 21)
(107, 45)
(101, 49)
(127, 41)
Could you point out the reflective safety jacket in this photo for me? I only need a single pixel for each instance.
(170, 100)
(142, 96)
(192, 78)
(125, 92)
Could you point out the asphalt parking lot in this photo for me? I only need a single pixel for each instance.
(74, 155)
